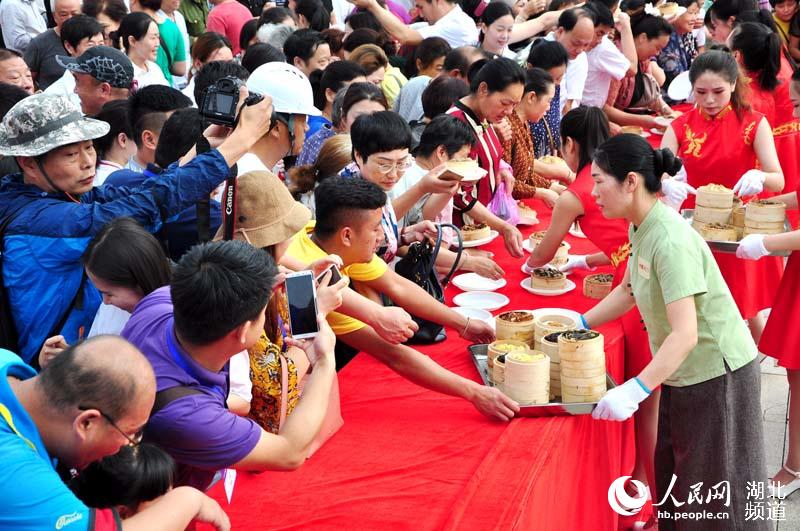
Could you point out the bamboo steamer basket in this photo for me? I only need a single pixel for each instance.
(584, 371)
(597, 286)
(581, 346)
(527, 377)
(749, 230)
(498, 371)
(769, 225)
(718, 232)
(715, 196)
(517, 330)
(549, 345)
(712, 214)
(547, 324)
(764, 210)
(555, 380)
(496, 348)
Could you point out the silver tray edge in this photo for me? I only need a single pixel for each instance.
(731, 247)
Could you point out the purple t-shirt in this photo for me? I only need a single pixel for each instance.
(197, 430)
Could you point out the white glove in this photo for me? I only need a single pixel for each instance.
(676, 192)
(681, 175)
(752, 247)
(621, 402)
(751, 183)
(576, 261)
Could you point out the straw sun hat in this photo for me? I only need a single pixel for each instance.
(266, 213)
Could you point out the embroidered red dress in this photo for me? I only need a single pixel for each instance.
(488, 151)
(611, 237)
(719, 150)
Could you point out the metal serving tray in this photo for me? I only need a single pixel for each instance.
(730, 247)
(553, 409)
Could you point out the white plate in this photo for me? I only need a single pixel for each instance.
(476, 313)
(681, 87)
(526, 285)
(572, 314)
(525, 269)
(527, 221)
(657, 132)
(477, 175)
(483, 241)
(475, 282)
(663, 121)
(484, 300)
(528, 246)
(575, 230)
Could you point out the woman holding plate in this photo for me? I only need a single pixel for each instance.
(583, 129)
(709, 428)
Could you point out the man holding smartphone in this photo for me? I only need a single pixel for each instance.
(213, 309)
(348, 224)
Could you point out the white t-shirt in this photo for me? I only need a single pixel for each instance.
(574, 79)
(605, 62)
(239, 374)
(414, 215)
(103, 170)
(188, 91)
(64, 86)
(249, 162)
(341, 8)
(455, 27)
(152, 76)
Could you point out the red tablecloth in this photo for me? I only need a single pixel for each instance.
(409, 458)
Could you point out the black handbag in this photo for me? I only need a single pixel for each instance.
(419, 266)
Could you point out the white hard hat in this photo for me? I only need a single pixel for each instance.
(288, 87)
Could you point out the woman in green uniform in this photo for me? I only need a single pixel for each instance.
(704, 359)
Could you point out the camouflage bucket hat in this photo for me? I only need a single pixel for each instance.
(44, 122)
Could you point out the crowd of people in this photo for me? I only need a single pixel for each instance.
(143, 310)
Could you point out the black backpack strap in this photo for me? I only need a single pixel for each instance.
(166, 51)
(460, 251)
(169, 395)
(8, 330)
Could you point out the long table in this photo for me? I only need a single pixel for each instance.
(409, 458)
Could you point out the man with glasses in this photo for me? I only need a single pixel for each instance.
(87, 403)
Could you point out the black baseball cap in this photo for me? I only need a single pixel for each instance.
(102, 63)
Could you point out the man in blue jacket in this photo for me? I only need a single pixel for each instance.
(55, 211)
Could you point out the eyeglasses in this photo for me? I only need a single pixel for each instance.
(134, 440)
(400, 166)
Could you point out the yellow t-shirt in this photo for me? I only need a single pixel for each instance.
(303, 249)
(783, 29)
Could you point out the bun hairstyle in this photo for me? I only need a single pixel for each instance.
(622, 154)
(724, 65)
(588, 126)
(336, 153)
(134, 25)
(760, 49)
(498, 74)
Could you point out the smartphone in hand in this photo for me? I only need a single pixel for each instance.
(336, 276)
(301, 294)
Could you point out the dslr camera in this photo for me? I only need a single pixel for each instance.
(221, 99)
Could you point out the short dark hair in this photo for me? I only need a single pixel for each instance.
(155, 5)
(148, 107)
(275, 15)
(69, 383)
(498, 74)
(213, 72)
(208, 43)
(363, 91)
(113, 9)
(6, 54)
(334, 78)
(131, 476)
(302, 43)
(774, 3)
(602, 14)
(359, 37)
(426, 53)
(261, 54)
(569, 18)
(459, 59)
(447, 131)
(247, 33)
(652, 26)
(546, 54)
(126, 255)
(217, 286)
(363, 19)
(179, 134)
(115, 114)
(338, 199)
(379, 132)
(318, 17)
(79, 27)
(335, 39)
(441, 93)
(10, 95)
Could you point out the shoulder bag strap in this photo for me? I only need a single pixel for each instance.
(166, 50)
(284, 389)
(166, 396)
(459, 252)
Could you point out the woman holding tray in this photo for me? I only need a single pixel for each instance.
(709, 427)
(583, 129)
(781, 339)
(722, 141)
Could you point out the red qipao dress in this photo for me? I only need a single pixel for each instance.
(719, 150)
(776, 106)
(611, 237)
(488, 151)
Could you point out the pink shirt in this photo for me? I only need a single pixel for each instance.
(228, 18)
